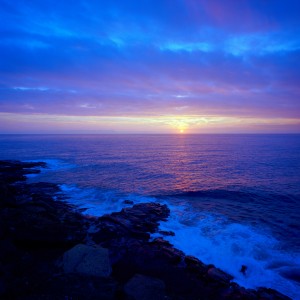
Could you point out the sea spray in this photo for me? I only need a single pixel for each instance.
(230, 246)
(210, 237)
(52, 165)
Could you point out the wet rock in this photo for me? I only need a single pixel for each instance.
(235, 292)
(194, 265)
(243, 269)
(88, 260)
(136, 221)
(128, 202)
(37, 231)
(142, 287)
(14, 171)
(218, 275)
(270, 294)
(161, 242)
(171, 254)
(166, 233)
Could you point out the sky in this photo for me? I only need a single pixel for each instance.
(150, 66)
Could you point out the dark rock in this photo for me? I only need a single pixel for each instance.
(7, 250)
(21, 199)
(243, 269)
(161, 242)
(136, 221)
(194, 265)
(37, 232)
(33, 226)
(270, 294)
(2, 287)
(87, 260)
(236, 292)
(76, 286)
(142, 287)
(218, 275)
(14, 171)
(128, 202)
(166, 233)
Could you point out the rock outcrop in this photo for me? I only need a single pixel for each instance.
(87, 260)
(48, 251)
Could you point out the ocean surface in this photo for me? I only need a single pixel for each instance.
(234, 199)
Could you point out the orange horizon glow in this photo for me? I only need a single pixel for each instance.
(179, 124)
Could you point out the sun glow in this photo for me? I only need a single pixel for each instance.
(187, 124)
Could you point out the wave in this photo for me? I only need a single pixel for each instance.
(274, 213)
(213, 238)
(240, 196)
(97, 202)
(51, 165)
(216, 240)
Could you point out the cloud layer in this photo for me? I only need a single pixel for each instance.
(147, 59)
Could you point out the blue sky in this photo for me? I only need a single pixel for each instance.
(150, 66)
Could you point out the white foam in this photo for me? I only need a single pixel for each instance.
(98, 202)
(211, 238)
(51, 165)
(54, 164)
(214, 240)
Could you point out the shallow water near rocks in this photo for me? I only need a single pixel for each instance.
(234, 199)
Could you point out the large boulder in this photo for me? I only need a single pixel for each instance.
(142, 287)
(87, 260)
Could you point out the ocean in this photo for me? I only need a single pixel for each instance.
(234, 199)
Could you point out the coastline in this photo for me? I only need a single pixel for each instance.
(49, 250)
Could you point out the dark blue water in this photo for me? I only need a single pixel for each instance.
(234, 199)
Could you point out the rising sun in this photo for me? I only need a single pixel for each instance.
(181, 131)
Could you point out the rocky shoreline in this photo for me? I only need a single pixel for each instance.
(49, 250)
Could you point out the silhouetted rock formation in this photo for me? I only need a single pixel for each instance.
(48, 250)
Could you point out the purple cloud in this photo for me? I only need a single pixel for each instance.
(150, 58)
